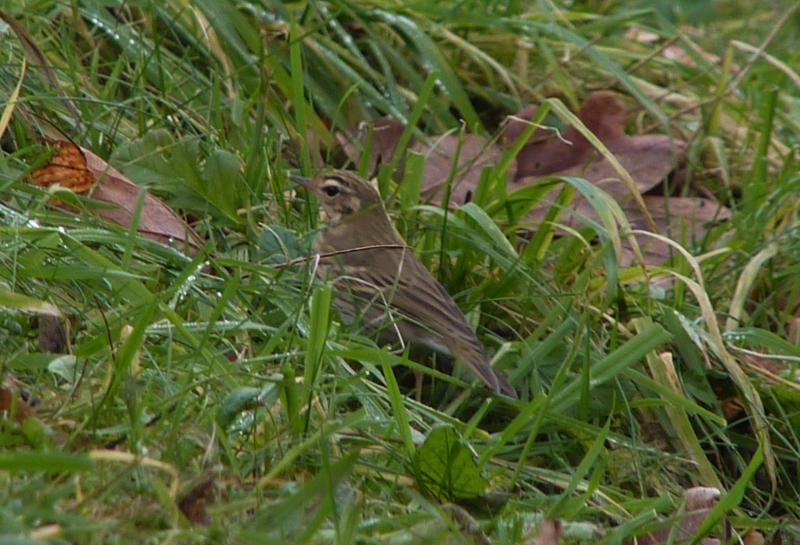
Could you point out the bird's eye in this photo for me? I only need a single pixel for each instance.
(330, 190)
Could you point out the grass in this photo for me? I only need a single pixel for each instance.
(216, 397)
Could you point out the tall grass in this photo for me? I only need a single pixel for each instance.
(223, 385)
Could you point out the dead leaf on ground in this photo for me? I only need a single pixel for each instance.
(464, 156)
(471, 154)
(468, 526)
(53, 336)
(10, 401)
(194, 504)
(550, 531)
(697, 504)
(794, 327)
(685, 220)
(648, 158)
(753, 537)
(83, 172)
(66, 167)
(675, 51)
(549, 153)
(378, 139)
(13, 401)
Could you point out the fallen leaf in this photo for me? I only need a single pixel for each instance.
(53, 336)
(602, 114)
(467, 525)
(464, 156)
(685, 220)
(379, 139)
(156, 220)
(697, 504)
(13, 400)
(550, 531)
(692, 215)
(22, 411)
(471, 154)
(753, 537)
(66, 167)
(194, 503)
(649, 159)
(674, 51)
(793, 335)
(80, 170)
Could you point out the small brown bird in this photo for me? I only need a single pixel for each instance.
(376, 276)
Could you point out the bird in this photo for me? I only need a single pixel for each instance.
(376, 277)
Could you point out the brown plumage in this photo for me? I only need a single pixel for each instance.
(375, 275)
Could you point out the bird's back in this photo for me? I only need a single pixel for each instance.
(390, 289)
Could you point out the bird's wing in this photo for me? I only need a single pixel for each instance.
(410, 294)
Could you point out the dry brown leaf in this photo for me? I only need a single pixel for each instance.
(649, 159)
(697, 504)
(550, 531)
(468, 526)
(677, 216)
(79, 169)
(471, 152)
(53, 337)
(22, 411)
(13, 399)
(381, 137)
(794, 327)
(682, 219)
(550, 153)
(156, 221)
(753, 537)
(685, 219)
(67, 168)
(602, 174)
(194, 504)
(673, 51)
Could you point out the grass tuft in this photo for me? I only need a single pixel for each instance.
(153, 396)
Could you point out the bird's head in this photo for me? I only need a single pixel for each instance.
(342, 194)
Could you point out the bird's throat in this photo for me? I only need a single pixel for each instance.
(360, 229)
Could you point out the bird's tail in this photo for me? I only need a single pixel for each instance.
(475, 360)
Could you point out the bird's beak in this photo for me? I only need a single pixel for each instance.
(305, 182)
